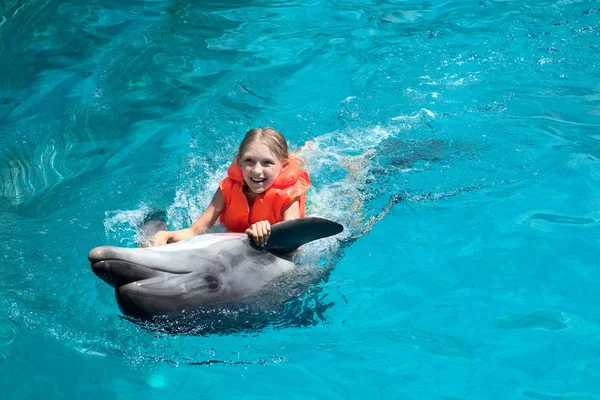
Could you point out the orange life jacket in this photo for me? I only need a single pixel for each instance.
(292, 183)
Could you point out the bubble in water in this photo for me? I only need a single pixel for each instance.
(156, 381)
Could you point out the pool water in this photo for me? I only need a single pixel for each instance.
(458, 142)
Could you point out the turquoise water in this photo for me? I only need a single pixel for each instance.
(458, 142)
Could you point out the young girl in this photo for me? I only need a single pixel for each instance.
(264, 185)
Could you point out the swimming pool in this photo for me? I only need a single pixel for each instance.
(456, 141)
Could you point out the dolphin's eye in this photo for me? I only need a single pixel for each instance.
(213, 283)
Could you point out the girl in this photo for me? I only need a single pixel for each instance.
(264, 185)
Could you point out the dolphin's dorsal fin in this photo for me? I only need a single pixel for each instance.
(287, 236)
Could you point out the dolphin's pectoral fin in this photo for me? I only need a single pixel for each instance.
(287, 236)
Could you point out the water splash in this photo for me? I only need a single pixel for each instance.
(123, 225)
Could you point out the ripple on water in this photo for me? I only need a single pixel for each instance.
(542, 396)
(562, 219)
(27, 175)
(8, 333)
(542, 319)
(437, 343)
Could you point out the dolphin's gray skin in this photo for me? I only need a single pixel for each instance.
(200, 272)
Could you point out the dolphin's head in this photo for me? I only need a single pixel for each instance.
(208, 269)
(205, 270)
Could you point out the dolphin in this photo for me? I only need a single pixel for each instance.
(204, 271)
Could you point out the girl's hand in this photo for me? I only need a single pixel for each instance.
(260, 232)
(159, 239)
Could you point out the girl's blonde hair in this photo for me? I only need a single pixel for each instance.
(270, 138)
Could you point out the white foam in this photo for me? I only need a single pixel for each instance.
(199, 184)
(120, 222)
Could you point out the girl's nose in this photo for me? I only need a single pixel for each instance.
(257, 168)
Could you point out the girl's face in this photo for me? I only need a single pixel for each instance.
(260, 167)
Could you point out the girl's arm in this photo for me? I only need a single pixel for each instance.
(206, 220)
(292, 211)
